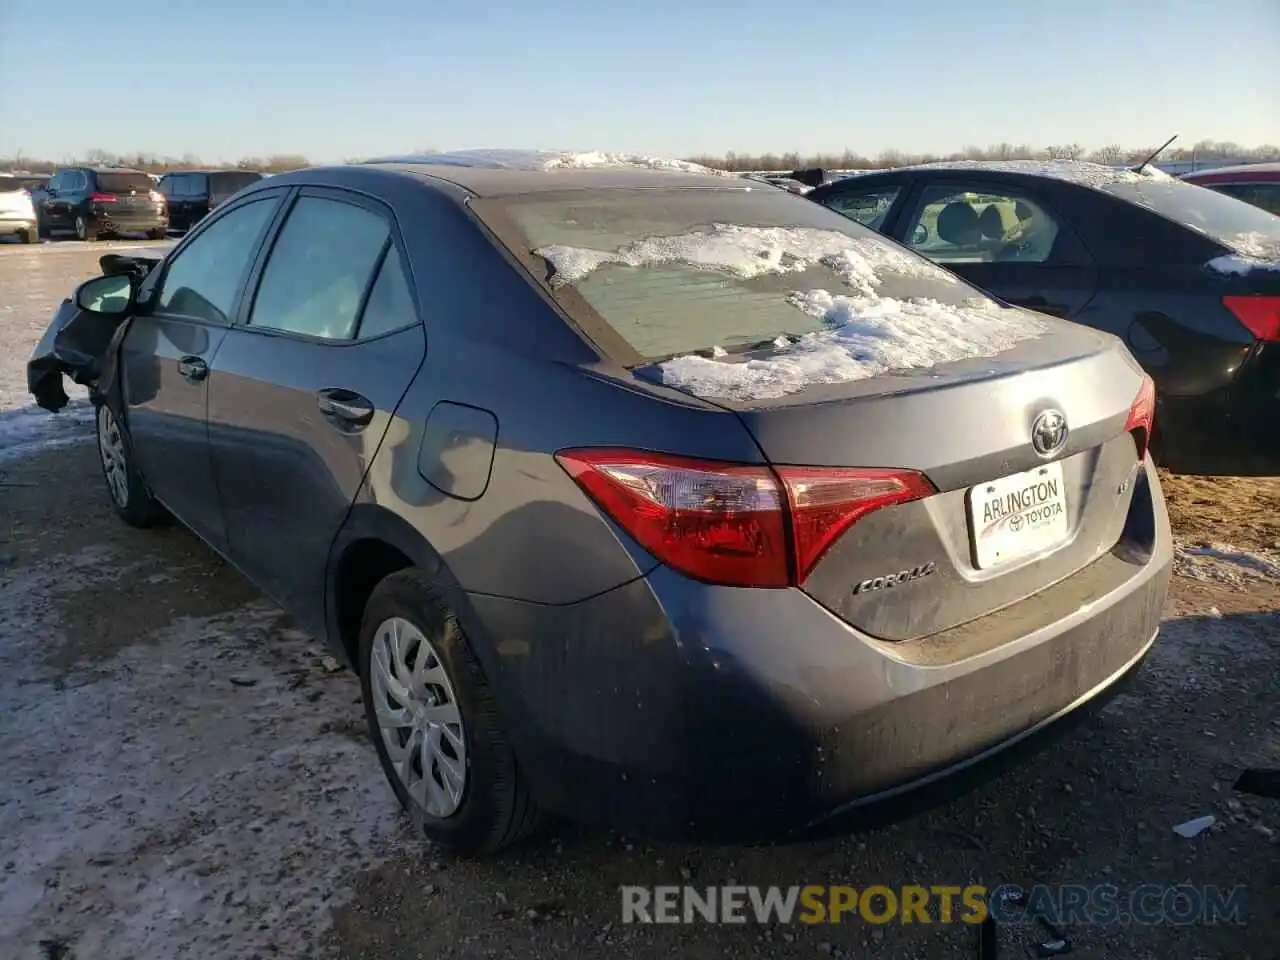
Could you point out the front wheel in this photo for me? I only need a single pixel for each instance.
(434, 722)
(129, 495)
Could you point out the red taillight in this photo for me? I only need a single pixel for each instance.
(1260, 314)
(731, 524)
(102, 197)
(1142, 416)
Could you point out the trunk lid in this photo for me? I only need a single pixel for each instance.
(907, 571)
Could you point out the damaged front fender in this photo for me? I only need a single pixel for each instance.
(82, 344)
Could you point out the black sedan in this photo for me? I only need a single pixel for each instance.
(1189, 278)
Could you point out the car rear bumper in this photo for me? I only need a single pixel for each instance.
(10, 224)
(130, 223)
(680, 710)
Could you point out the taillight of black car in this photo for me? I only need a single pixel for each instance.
(1261, 315)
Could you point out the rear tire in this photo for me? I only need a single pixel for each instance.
(30, 236)
(158, 234)
(84, 231)
(130, 498)
(42, 229)
(446, 700)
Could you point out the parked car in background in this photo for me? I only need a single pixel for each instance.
(97, 201)
(1255, 183)
(1189, 278)
(583, 555)
(17, 213)
(191, 194)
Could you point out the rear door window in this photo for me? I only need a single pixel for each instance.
(390, 305)
(957, 224)
(673, 272)
(319, 269)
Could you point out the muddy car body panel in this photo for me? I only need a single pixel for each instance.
(494, 427)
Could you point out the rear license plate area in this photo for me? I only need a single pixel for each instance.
(1016, 516)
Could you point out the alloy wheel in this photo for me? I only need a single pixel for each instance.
(115, 465)
(418, 717)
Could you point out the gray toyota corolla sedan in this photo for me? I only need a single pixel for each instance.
(653, 498)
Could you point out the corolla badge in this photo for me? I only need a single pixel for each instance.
(1049, 432)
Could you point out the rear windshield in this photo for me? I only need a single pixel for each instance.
(1234, 223)
(682, 271)
(124, 182)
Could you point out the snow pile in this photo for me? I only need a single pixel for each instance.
(1253, 251)
(1223, 563)
(868, 336)
(504, 159)
(1074, 171)
(748, 252)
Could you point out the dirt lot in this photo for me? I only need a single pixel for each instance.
(186, 776)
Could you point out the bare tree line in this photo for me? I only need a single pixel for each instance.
(1110, 154)
(848, 160)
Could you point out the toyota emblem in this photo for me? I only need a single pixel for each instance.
(1049, 432)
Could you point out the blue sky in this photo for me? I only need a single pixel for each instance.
(331, 79)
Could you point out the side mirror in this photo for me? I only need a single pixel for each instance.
(106, 295)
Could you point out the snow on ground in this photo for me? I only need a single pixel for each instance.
(1223, 563)
(209, 790)
(34, 280)
(868, 334)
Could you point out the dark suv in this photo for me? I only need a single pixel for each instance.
(191, 194)
(93, 201)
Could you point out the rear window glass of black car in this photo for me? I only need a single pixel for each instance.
(675, 271)
(124, 182)
(1232, 222)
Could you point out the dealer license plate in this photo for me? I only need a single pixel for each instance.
(1018, 515)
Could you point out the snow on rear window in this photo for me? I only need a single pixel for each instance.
(863, 337)
(724, 273)
(1073, 171)
(1251, 233)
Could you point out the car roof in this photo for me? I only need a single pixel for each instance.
(492, 173)
(93, 169)
(1240, 169)
(1079, 172)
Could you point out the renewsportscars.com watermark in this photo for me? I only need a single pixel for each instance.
(1180, 905)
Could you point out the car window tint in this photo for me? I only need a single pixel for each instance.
(390, 305)
(867, 207)
(203, 278)
(1230, 221)
(1264, 195)
(953, 225)
(319, 268)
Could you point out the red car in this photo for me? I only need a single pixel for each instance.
(1255, 183)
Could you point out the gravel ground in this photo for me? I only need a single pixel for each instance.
(186, 775)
